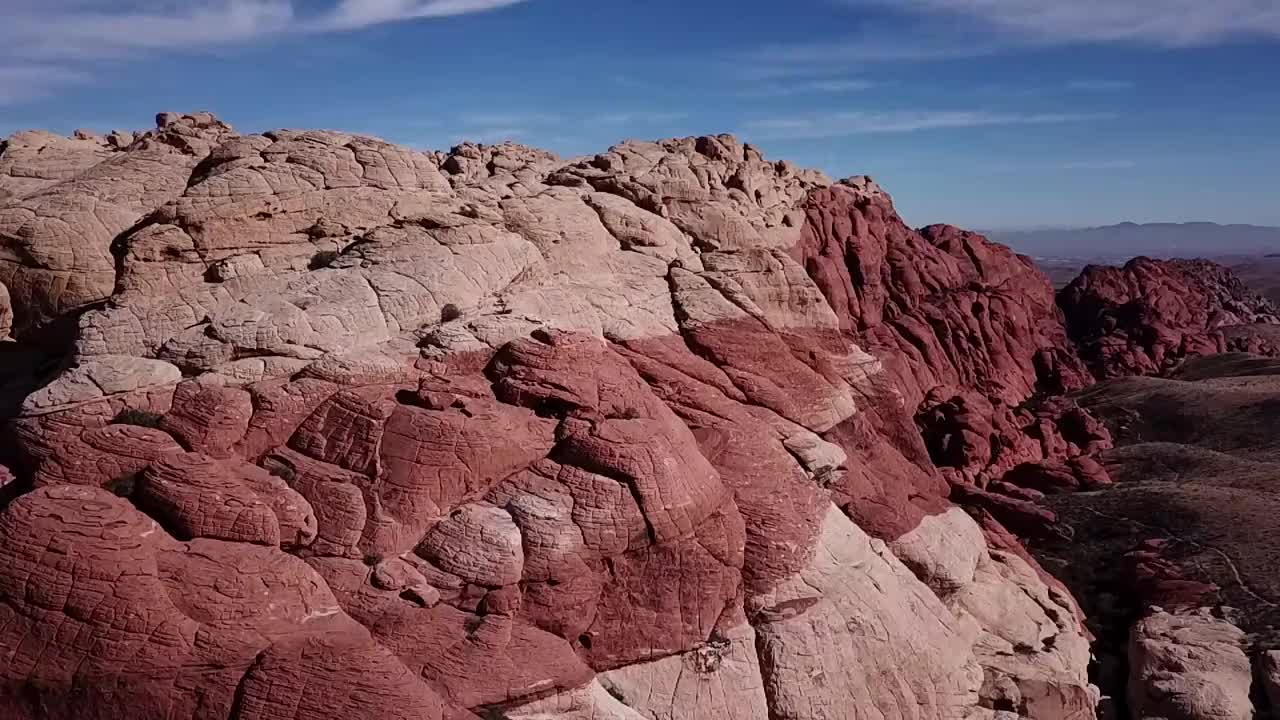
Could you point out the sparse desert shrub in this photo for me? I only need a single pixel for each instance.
(450, 312)
(323, 259)
(141, 418)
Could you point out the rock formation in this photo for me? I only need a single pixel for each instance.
(349, 428)
(1144, 318)
(310, 425)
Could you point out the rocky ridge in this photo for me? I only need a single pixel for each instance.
(1146, 317)
(672, 431)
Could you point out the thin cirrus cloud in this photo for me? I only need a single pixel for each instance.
(1175, 23)
(21, 83)
(543, 120)
(832, 86)
(923, 30)
(877, 40)
(1098, 165)
(356, 14)
(842, 124)
(48, 43)
(1101, 85)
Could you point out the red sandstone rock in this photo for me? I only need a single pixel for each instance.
(1143, 318)
(102, 456)
(971, 335)
(450, 435)
(946, 308)
(1023, 517)
(208, 418)
(981, 441)
(1159, 581)
(1053, 476)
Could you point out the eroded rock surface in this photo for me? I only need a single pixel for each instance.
(1189, 666)
(1145, 317)
(350, 429)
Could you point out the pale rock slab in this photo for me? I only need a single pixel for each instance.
(1032, 649)
(592, 702)
(856, 635)
(943, 550)
(1188, 666)
(719, 679)
(101, 378)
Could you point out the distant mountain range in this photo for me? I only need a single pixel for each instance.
(1194, 239)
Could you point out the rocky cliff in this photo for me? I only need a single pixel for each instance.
(309, 425)
(1146, 317)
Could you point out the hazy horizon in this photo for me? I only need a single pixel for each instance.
(1120, 223)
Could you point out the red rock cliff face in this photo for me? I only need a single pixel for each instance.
(967, 329)
(1145, 317)
(947, 309)
(371, 433)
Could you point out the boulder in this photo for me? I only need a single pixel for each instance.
(1188, 666)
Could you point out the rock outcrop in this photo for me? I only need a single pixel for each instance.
(1189, 667)
(350, 429)
(1146, 317)
(306, 424)
(971, 337)
(949, 310)
(71, 199)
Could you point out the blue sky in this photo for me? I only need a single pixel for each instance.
(983, 113)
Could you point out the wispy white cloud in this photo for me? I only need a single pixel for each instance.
(1101, 85)
(508, 119)
(923, 30)
(1176, 23)
(355, 14)
(68, 36)
(1009, 91)
(841, 124)
(838, 86)
(1097, 165)
(23, 82)
(635, 83)
(538, 127)
(490, 135)
(879, 40)
(832, 86)
(636, 117)
(544, 120)
(69, 31)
